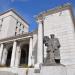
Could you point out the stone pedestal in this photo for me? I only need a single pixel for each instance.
(53, 70)
(49, 60)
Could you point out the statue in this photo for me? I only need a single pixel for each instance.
(53, 45)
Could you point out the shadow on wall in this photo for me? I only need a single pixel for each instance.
(73, 18)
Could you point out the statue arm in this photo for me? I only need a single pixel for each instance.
(59, 46)
(58, 43)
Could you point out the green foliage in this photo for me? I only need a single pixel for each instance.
(3, 66)
(26, 66)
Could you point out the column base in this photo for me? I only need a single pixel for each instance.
(37, 68)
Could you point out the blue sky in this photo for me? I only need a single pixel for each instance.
(28, 8)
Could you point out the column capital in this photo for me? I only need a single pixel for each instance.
(31, 37)
(40, 21)
(41, 16)
(14, 40)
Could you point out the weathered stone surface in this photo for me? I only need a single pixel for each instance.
(7, 73)
(45, 70)
(53, 52)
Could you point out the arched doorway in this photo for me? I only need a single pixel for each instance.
(9, 56)
(24, 54)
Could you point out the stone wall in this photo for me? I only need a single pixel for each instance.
(45, 70)
(61, 24)
(8, 21)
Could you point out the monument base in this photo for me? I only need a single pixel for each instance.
(53, 70)
(50, 70)
(45, 70)
(55, 64)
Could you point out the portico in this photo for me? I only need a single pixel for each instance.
(16, 51)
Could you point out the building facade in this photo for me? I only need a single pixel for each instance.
(12, 24)
(15, 35)
(20, 48)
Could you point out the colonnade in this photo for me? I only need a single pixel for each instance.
(16, 54)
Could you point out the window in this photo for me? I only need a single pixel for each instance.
(15, 33)
(20, 24)
(1, 24)
(22, 32)
(23, 26)
(19, 30)
(17, 22)
(2, 19)
(16, 27)
(0, 27)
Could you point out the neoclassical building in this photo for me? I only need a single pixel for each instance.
(20, 48)
(15, 40)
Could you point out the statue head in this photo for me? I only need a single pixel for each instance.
(52, 36)
(46, 40)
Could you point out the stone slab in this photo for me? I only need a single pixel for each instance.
(45, 70)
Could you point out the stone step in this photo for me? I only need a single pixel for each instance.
(49, 70)
(53, 70)
(6, 73)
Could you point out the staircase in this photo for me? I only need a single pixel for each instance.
(12, 71)
(45, 70)
(49, 70)
(7, 73)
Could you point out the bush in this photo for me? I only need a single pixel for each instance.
(26, 66)
(3, 66)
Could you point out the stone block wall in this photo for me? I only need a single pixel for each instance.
(61, 24)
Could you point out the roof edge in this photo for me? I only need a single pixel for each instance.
(14, 11)
(53, 10)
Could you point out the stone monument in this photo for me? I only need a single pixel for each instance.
(53, 54)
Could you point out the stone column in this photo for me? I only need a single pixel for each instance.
(13, 54)
(40, 43)
(18, 55)
(40, 49)
(1, 50)
(30, 52)
(4, 56)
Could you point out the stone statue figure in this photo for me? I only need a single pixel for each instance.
(53, 45)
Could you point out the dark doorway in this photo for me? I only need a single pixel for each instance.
(24, 54)
(9, 56)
